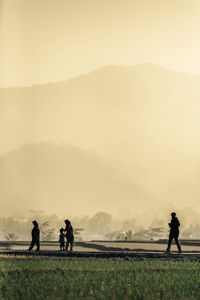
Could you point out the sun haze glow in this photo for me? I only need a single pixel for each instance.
(48, 40)
(122, 137)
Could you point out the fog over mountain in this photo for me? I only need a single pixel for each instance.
(63, 180)
(143, 120)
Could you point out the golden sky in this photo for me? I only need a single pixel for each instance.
(51, 40)
(143, 120)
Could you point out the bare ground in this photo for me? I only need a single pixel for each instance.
(103, 249)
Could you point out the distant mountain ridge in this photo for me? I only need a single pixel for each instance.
(63, 179)
(144, 119)
(103, 69)
(120, 96)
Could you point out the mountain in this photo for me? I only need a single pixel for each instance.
(108, 106)
(143, 119)
(63, 180)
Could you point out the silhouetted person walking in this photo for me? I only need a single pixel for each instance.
(35, 236)
(174, 232)
(69, 235)
(62, 239)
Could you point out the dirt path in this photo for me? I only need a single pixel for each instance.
(103, 249)
(102, 254)
(104, 246)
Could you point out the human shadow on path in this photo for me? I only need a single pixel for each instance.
(104, 248)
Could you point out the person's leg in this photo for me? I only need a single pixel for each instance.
(71, 244)
(177, 243)
(67, 244)
(32, 245)
(38, 245)
(169, 243)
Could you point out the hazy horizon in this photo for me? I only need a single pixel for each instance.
(99, 106)
(134, 120)
(85, 36)
(96, 70)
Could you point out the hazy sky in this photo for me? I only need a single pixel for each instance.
(51, 40)
(144, 120)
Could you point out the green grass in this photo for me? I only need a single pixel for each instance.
(48, 278)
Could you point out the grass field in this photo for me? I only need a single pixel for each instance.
(40, 277)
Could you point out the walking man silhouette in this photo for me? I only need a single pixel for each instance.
(174, 232)
(35, 236)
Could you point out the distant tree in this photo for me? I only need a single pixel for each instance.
(129, 235)
(11, 237)
(77, 231)
(100, 222)
(149, 233)
(129, 223)
(115, 235)
(47, 232)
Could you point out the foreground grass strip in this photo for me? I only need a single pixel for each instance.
(99, 279)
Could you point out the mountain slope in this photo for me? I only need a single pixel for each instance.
(111, 104)
(144, 119)
(63, 179)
